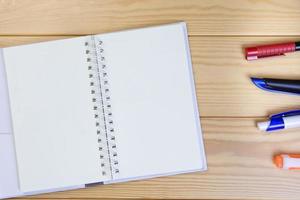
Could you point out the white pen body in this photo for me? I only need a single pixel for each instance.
(288, 122)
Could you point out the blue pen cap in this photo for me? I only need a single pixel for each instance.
(277, 122)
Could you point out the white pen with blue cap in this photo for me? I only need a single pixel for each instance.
(284, 120)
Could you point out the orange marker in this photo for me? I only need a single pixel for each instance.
(287, 161)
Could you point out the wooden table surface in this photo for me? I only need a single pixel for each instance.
(239, 156)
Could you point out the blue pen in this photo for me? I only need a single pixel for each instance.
(284, 120)
(278, 85)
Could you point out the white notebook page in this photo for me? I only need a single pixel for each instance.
(8, 172)
(53, 124)
(9, 184)
(153, 102)
(5, 125)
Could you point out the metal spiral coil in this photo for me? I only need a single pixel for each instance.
(101, 99)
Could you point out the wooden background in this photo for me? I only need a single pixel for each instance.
(239, 156)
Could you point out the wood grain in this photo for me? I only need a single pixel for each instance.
(205, 17)
(222, 75)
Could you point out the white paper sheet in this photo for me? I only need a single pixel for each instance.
(5, 124)
(8, 172)
(9, 184)
(53, 119)
(153, 102)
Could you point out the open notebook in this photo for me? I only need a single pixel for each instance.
(105, 108)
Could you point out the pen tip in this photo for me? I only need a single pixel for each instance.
(255, 79)
(259, 82)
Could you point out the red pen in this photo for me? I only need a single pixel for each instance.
(253, 53)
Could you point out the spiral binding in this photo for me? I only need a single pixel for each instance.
(100, 91)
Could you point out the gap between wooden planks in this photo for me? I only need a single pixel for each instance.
(222, 75)
(205, 17)
(240, 167)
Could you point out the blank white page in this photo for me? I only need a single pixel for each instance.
(153, 102)
(8, 173)
(52, 116)
(9, 182)
(5, 126)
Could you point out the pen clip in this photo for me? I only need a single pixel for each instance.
(285, 114)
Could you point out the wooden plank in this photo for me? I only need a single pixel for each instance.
(222, 75)
(206, 17)
(240, 167)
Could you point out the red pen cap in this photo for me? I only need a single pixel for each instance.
(253, 53)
